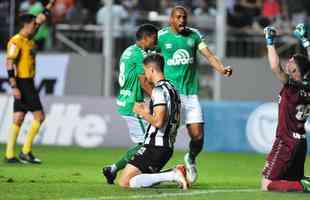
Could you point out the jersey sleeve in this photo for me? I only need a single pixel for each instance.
(12, 49)
(158, 97)
(199, 39)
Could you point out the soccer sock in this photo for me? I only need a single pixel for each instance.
(147, 180)
(195, 147)
(32, 132)
(285, 186)
(11, 142)
(125, 159)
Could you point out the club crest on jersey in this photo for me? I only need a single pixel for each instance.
(190, 42)
(180, 57)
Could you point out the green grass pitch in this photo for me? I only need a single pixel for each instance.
(72, 173)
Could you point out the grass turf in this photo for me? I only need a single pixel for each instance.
(74, 173)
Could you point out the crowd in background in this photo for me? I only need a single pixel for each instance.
(242, 15)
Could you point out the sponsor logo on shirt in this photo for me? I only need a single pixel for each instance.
(180, 57)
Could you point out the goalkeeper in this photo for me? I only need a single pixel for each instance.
(284, 168)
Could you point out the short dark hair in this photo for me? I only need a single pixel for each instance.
(155, 58)
(303, 64)
(146, 30)
(179, 7)
(25, 19)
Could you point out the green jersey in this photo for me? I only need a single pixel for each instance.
(179, 51)
(130, 67)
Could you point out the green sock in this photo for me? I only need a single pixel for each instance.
(125, 159)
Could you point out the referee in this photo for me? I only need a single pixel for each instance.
(20, 65)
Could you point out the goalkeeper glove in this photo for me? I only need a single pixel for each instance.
(301, 33)
(270, 33)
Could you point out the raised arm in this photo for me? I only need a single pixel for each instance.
(302, 34)
(273, 56)
(41, 18)
(214, 61)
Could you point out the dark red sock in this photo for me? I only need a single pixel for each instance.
(285, 186)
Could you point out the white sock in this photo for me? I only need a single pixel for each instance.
(113, 168)
(147, 180)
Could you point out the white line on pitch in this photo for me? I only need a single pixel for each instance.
(163, 195)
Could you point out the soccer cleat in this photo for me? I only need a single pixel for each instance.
(109, 175)
(13, 160)
(191, 170)
(29, 158)
(305, 184)
(180, 171)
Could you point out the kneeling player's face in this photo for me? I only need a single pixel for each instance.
(293, 70)
(148, 72)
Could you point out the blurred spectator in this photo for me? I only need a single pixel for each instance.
(204, 7)
(240, 17)
(77, 14)
(271, 9)
(43, 34)
(119, 15)
(61, 8)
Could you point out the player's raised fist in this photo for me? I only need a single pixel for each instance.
(270, 33)
(302, 34)
(228, 71)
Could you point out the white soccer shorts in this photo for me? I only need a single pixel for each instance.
(136, 128)
(191, 112)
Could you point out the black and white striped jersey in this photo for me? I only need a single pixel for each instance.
(165, 94)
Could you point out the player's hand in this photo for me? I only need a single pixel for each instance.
(270, 33)
(141, 109)
(16, 93)
(227, 71)
(302, 34)
(40, 19)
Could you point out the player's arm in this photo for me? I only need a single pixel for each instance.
(146, 86)
(42, 17)
(214, 61)
(302, 34)
(157, 119)
(12, 80)
(12, 54)
(273, 56)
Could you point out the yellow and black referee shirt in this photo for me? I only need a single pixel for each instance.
(22, 51)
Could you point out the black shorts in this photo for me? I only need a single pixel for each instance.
(30, 100)
(286, 160)
(151, 159)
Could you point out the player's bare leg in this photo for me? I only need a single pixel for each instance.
(196, 133)
(128, 172)
(18, 118)
(26, 155)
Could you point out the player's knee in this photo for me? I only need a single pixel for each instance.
(123, 182)
(195, 131)
(18, 120)
(39, 117)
